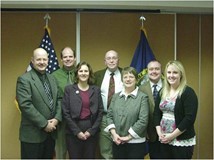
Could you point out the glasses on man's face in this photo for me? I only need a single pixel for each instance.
(111, 58)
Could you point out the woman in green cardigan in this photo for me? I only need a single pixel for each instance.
(127, 118)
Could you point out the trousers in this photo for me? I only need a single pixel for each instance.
(129, 151)
(61, 148)
(105, 141)
(176, 152)
(44, 150)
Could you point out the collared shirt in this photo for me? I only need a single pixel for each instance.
(61, 76)
(159, 85)
(133, 93)
(42, 76)
(105, 86)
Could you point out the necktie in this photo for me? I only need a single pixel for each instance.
(48, 93)
(155, 91)
(111, 89)
(70, 77)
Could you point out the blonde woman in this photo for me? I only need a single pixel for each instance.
(175, 113)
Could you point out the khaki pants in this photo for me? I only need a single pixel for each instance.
(60, 147)
(105, 141)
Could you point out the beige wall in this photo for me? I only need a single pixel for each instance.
(21, 33)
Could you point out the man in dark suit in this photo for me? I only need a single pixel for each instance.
(102, 80)
(37, 97)
(154, 75)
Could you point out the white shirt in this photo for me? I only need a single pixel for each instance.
(158, 87)
(105, 86)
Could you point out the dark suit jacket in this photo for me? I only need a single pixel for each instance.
(34, 105)
(185, 113)
(151, 131)
(99, 75)
(72, 105)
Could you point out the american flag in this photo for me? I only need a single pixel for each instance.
(46, 43)
(48, 46)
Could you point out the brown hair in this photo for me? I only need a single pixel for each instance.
(91, 78)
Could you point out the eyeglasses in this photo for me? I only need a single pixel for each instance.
(111, 58)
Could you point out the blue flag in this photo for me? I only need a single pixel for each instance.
(142, 56)
(143, 53)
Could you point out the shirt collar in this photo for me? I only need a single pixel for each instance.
(132, 94)
(66, 71)
(115, 72)
(38, 73)
(159, 84)
(41, 76)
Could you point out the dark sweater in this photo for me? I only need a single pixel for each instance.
(185, 113)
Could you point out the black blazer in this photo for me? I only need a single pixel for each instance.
(72, 105)
(185, 112)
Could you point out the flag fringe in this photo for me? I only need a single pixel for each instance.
(144, 30)
(48, 29)
(17, 106)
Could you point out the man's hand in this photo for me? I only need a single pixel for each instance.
(51, 126)
(54, 121)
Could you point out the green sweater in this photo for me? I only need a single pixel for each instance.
(129, 115)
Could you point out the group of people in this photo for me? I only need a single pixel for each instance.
(73, 108)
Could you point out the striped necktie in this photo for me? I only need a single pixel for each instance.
(111, 89)
(155, 91)
(46, 86)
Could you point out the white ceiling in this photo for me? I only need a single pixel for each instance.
(170, 6)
